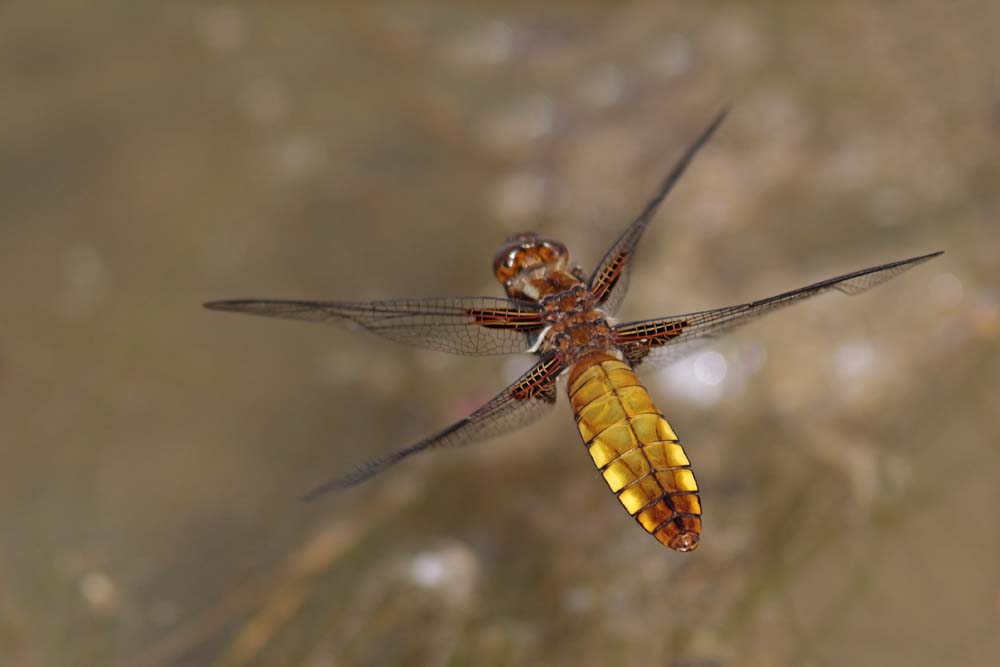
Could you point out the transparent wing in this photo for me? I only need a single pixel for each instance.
(521, 403)
(609, 281)
(461, 325)
(660, 342)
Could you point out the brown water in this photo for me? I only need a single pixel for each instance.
(152, 453)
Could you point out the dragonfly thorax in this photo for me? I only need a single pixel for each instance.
(576, 329)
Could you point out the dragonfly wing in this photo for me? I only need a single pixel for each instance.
(530, 397)
(660, 342)
(461, 325)
(610, 280)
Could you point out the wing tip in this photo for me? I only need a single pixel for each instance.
(313, 494)
(710, 129)
(922, 258)
(721, 115)
(231, 304)
(345, 482)
(323, 489)
(246, 305)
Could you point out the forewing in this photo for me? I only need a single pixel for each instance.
(609, 281)
(461, 325)
(531, 396)
(660, 342)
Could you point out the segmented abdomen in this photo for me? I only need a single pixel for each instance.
(636, 450)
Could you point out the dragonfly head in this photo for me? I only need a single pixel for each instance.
(527, 256)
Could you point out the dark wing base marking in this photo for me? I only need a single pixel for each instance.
(636, 339)
(659, 342)
(505, 319)
(527, 399)
(460, 325)
(610, 280)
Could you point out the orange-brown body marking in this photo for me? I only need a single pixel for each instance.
(630, 441)
(635, 449)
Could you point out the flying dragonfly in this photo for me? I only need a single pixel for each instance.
(566, 318)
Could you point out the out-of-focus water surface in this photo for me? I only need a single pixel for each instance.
(152, 453)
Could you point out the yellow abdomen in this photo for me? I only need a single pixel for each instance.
(636, 450)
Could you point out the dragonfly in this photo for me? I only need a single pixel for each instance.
(566, 318)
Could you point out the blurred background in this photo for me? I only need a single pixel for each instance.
(152, 453)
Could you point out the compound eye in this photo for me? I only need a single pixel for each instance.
(551, 251)
(507, 262)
